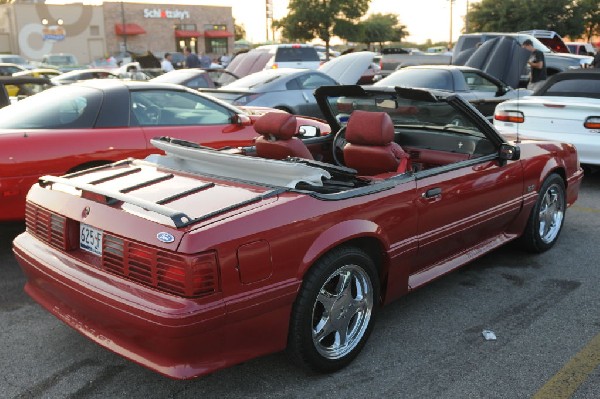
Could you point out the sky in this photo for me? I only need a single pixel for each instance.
(424, 19)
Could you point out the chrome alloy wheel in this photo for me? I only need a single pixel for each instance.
(551, 213)
(342, 311)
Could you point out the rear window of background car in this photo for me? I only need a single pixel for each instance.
(574, 88)
(291, 54)
(63, 107)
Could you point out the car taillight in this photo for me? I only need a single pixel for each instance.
(198, 277)
(245, 100)
(592, 122)
(274, 66)
(509, 116)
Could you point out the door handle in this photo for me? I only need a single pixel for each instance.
(432, 192)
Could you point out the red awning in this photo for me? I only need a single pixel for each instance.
(217, 34)
(187, 33)
(129, 29)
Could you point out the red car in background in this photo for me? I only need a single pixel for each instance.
(71, 128)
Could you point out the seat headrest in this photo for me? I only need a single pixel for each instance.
(279, 125)
(370, 128)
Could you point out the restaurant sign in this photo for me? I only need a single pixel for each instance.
(53, 33)
(168, 14)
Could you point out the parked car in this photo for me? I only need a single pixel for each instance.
(199, 259)
(246, 63)
(39, 73)
(7, 68)
(291, 89)
(556, 62)
(565, 108)
(480, 89)
(96, 122)
(15, 59)
(551, 39)
(581, 48)
(291, 56)
(287, 89)
(196, 78)
(64, 62)
(78, 75)
(15, 88)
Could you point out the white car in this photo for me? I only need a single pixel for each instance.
(565, 108)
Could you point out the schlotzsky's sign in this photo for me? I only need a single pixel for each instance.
(169, 14)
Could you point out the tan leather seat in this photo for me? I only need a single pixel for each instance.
(277, 137)
(371, 149)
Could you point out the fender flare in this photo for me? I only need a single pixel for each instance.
(337, 235)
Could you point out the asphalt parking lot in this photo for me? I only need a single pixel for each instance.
(542, 308)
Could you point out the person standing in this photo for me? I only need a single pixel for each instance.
(166, 65)
(537, 63)
(205, 61)
(596, 62)
(191, 59)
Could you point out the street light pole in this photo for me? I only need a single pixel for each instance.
(467, 18)
(124, 27)
(450, 40)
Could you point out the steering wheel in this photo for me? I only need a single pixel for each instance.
(339, 142)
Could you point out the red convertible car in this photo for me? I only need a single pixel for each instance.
(66, 129)
(199, 259)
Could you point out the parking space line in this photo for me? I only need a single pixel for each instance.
(568, 379)
(585, 209)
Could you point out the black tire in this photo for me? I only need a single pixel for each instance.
(547, 216)
(338, 299)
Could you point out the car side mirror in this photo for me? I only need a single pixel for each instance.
(307, 131)
(509, 152)
(502, 90)
(241, 119)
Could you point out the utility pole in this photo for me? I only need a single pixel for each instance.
(467, 18)
(269, 15)
(450, 39)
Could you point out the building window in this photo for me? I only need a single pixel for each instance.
(94, 30)
(215, 27)
(189, 27)
(216, 46)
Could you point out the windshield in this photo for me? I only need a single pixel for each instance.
(13, 60)
(405, 112)
(177, 76)
(426, 78)
(255, 80)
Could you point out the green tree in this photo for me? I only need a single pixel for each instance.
(562, 16)
(323, 19)
(381, 28)
(590, 12)
(239, 31)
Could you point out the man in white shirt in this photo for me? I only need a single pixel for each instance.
(166, 64)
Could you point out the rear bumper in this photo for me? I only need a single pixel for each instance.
(177, 337)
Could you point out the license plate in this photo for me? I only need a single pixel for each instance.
(90, 239)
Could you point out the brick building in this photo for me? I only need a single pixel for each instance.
(32, 29)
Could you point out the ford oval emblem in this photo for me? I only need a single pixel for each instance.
(165, 237)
